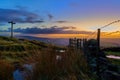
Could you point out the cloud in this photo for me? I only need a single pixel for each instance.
(61, 21)
(19, 15)
(51, 30)
(114, 33)
(68, 27)
(50, 16)
(1, 24)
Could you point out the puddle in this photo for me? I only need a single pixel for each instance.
(113, 56)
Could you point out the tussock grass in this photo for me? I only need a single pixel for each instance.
(72, 65)
(6, 70)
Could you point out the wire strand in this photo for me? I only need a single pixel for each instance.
(109, 24)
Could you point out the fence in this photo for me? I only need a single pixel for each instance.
(96, 59)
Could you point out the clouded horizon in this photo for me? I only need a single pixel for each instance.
(59, 16)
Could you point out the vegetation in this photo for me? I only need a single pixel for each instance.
(113, 49)
(71, 66)
(112, 53)
(114, 61)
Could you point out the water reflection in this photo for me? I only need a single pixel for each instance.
(113, 56)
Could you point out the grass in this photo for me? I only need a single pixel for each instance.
(113, 61)
(112, 53)
(6, 70)
(72, 66)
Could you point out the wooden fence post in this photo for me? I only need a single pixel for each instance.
(98, 40)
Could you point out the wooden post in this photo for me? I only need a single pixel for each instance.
(70, 42)
(77, 43)
(80, 43)
(98, 39)
(11, 28)
(98, 50)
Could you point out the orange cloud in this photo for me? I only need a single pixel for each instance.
(61, 35)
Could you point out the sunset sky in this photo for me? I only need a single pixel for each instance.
(59, 17)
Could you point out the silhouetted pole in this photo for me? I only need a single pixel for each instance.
(98, 39)
(98, 50)
(12, 23)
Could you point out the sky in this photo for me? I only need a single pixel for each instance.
(59, 16)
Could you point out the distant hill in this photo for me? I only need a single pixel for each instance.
(105, 42)
(110, 42)
(55, 41)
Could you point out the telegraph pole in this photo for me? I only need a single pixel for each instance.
(12, 23)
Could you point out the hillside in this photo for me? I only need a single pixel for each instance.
(15, 49)
(50, 63)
